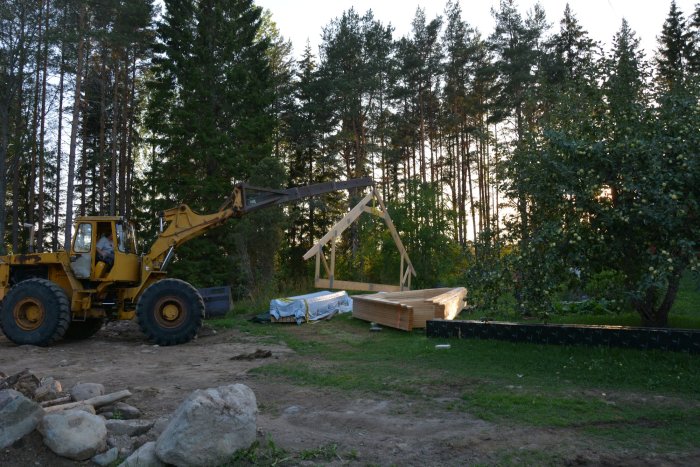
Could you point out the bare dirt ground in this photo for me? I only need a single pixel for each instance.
(365, 430)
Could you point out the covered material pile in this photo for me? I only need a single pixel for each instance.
(310, 307)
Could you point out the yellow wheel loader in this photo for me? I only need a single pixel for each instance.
(49, 296)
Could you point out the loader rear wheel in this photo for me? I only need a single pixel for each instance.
(79, 330)
(170, 312)
(35, 312)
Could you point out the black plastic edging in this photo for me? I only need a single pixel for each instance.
(682, 340)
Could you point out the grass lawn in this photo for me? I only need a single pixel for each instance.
(614, 399)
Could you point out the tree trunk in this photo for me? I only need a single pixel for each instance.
(45, 66)
(653, 316)
(101, 149)
(57, 208)
(114, 155)
(18, 146)
(74, 130)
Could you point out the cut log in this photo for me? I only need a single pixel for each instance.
(96, 401)
(60, 400)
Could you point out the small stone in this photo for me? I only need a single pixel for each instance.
(145, 456)
(84, 391)
(123, 443)
(106, 458)
(48, 389)
(27, 384)
(129, 427)
(125, 411)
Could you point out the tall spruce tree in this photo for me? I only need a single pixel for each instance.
(212, 119)
(674, 50)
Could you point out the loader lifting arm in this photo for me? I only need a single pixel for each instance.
(183, 224)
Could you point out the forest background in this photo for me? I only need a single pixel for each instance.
(531, 164)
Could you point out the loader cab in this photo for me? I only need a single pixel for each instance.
(85, 261)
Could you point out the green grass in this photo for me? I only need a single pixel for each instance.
(618, 398)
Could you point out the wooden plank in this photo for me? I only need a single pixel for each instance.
(420, 293)
(331, 273)
(374, 211)
(395, 235)
(388, 314)
(322, 283)
(340, 226)
(426, 304)
(325, 264)
(97, 401)
(318, 264)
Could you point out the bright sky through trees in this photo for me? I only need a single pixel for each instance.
(300, 20)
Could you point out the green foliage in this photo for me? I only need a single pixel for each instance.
(266, 454)
(488, 274)
(423, 225)
(210, 113)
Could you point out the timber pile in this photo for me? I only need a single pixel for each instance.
(410, 309)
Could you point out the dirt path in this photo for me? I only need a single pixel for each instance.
(362, 430)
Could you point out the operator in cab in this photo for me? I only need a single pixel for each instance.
(105, 249)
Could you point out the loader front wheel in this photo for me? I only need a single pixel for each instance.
(35, 312)
(170, 312)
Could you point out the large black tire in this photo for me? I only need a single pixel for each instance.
(170, 312)
(79, 330)
(35, 312)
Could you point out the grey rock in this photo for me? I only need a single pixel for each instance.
(126, 411)
(86, 408)
(26, 384)
(143, 439)
(83, 391)
(48, 389)
(145, 456)
(159, 426)
(129, 427)
(19, 416)
(124, 443)
(119, 411)
(209, 427)
(106, 458)
(74, 434)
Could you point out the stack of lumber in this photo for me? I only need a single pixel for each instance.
(410, 309)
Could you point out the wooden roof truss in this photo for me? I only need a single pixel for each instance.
(377, 209)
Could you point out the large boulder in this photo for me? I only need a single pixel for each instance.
(18, 416)
(209, 427)
(74, 434)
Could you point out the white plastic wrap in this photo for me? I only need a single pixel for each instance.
(311, 307)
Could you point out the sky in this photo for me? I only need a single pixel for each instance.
(302, 20)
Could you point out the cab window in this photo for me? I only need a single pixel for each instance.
(125, 238)
(83, 238)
